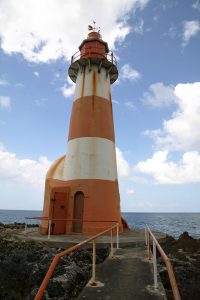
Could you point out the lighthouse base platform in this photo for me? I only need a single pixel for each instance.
(127, 238)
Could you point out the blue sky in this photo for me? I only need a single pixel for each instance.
(156, 100)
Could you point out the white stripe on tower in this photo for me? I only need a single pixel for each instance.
(90, 158)
(88, 85)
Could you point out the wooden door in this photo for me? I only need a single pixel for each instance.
(78, 212)
(59, 212)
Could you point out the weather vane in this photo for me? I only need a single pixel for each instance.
(94, 28)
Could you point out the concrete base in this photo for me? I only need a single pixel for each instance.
(129, 238)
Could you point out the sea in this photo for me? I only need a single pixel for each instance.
(173, 224)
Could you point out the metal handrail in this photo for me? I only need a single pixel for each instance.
(148, 235)
(55, 261)
(63, 219)
(90, 51)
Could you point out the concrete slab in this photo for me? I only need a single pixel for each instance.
(128, 276)
(129, 238)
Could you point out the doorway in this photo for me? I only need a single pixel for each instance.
(78, 212)
(59, 211)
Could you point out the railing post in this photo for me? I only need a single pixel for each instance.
(94, 262)
(145, 232)
(117, 236)
(25, 230)
(149, 245)
(111, 243)
(49, 229)
(155, 266)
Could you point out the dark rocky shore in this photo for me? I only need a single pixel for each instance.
(23, 265)
(184, 255)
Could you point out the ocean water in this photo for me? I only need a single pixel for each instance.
(18, 216)
(171, 223)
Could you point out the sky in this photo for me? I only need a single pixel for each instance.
(156, 99)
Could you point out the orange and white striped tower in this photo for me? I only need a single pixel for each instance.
(82, 186)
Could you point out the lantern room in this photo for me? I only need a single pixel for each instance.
(93, 46)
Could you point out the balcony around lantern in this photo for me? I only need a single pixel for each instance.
(93, 54)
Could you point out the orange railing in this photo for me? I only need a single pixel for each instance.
(156, 245)
(55, 261)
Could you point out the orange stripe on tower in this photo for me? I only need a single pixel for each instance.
(91, 117)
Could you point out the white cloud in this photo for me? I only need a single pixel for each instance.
(129, 104)
(155, 18)
(123, 168)
(171, 32)
(3, 82)
(196, 5)
(2, 147)
(115, 101)
(5, 102)
(181, 132)
(138, 179)
(159, 95)
(148, 29)
(19, 85)
(127, 72)
(126, 171)
(168, 172)
(190, 29)
(138, 27)
(36, 74)
(59, 28)
(118, 33)
(41, 101)
(117, 82)
(22, 171)
(130, 191)
(68, 88)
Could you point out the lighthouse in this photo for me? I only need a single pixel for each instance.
(81, 188)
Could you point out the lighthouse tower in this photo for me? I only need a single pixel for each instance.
(81, 190)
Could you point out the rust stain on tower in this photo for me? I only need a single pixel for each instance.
(83, 83)
(81, 187)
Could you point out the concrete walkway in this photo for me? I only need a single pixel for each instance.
(127, 276)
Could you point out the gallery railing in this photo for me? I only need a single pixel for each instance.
(94, 52)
